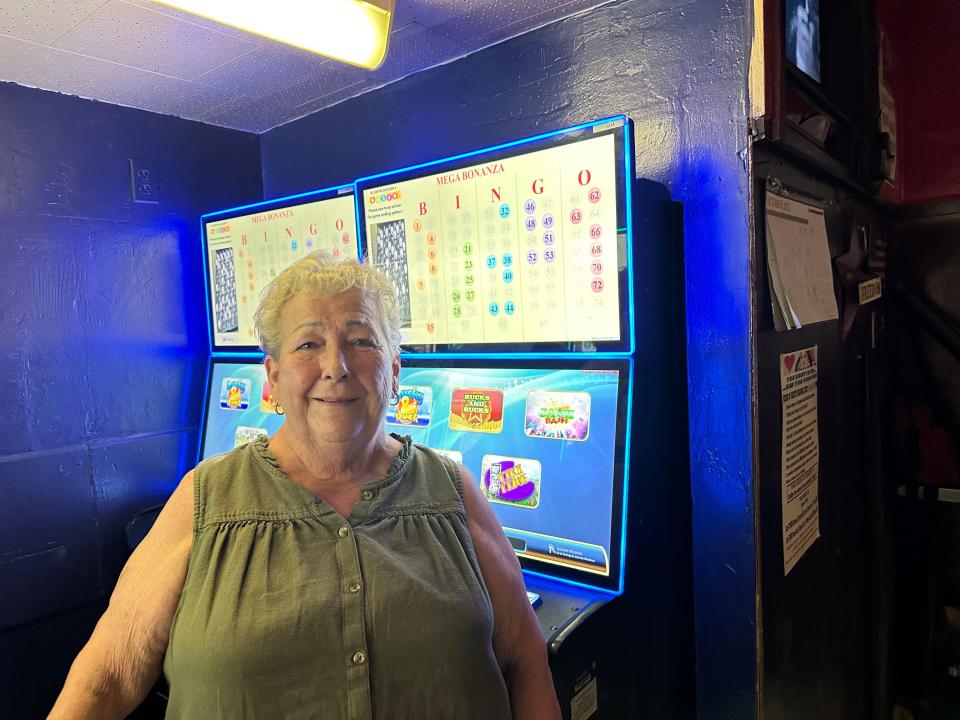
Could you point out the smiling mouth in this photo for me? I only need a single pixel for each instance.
(336, 401)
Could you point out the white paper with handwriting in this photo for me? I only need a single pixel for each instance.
(798, 262)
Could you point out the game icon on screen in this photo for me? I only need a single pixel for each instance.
(414, 406)
(510, 480)
(454, 455)
(476, 410)
(557, 415)
(235, 394)
(268, 403)
(245, 434)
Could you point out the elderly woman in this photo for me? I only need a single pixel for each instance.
(332, 571)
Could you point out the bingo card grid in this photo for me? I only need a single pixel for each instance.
(391, 259)
(225, 291)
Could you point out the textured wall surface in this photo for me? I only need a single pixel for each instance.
(678, 69)
(102, 348)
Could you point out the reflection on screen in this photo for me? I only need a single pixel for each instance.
(803, 36)
(522, 249)
(540, 442)
(239, 407)
(246, 252)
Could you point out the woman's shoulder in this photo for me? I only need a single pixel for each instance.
(225, 481)
(229, 460)
(437, 473)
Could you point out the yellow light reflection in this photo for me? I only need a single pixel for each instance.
(354, 31)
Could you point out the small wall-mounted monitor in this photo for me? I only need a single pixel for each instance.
(244, 248)
(546, 440)
(802, 20)
(238, 406)
(524, 246)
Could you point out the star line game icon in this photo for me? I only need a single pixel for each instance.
(511, 481)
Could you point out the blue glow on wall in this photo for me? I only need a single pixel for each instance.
(680, 73)
(103, 344)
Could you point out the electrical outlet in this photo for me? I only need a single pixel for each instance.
(143, 184)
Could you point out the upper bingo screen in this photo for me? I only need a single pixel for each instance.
(245, 252)
(520, 249)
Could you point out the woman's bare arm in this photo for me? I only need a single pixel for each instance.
(124, 656)
(517, 639)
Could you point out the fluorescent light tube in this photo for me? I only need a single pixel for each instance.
(353, 31)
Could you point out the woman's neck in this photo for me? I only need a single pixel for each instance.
(326, 468)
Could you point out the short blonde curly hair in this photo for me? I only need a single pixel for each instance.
(319, 274)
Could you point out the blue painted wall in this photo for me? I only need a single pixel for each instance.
(679, 69)
(102, 338)
(102, 353)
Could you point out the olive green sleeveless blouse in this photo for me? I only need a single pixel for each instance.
(291, 611)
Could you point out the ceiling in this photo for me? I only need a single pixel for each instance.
(145, 55)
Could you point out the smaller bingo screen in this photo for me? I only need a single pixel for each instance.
(524, 246)
(239, 407)
(545, 445)
(246, 251)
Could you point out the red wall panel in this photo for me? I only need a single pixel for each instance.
(923, 61)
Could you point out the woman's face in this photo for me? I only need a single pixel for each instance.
(332, 374)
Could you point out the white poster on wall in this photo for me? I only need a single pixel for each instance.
(800, 454)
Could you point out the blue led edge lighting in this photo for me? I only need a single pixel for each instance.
(259, 354)
(333, 190)
(360, 232)
(206, 285)
(623, 355)
(206, 409)
(628, 175)
(228, 355)
(575, 583)
(513, 143)
(626, 479)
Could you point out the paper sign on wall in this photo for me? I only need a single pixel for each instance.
(800, 454)
(798, 263)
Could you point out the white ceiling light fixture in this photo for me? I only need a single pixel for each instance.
(353, 31)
